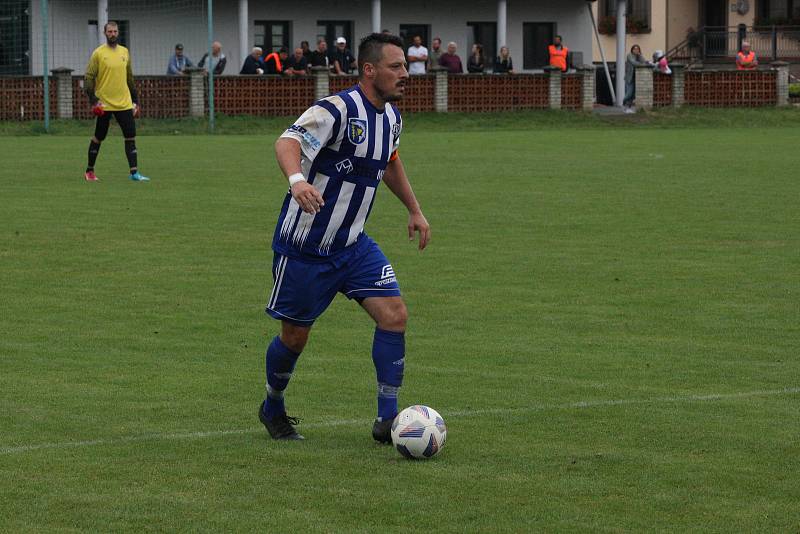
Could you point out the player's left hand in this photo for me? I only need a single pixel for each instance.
(136, 111)
(418, 223)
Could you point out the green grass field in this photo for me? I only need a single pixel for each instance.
(607, 318)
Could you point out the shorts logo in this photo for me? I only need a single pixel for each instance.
(387, 276)
(345, 166)
(357, 131)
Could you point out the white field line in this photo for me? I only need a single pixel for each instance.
(451, 413)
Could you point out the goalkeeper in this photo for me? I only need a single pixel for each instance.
(109, 85)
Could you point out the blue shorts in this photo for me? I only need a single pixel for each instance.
(303, 290)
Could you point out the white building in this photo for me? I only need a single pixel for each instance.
(151, 28)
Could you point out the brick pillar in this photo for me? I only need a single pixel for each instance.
(589, 76)
(644, 87)
(63, 77)
(555, 87)
(322, 82)
(782, 81)
(678, 84)
(197, 92)
(440, 91)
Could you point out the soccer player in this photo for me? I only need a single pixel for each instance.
(334, 157)
(109, 85)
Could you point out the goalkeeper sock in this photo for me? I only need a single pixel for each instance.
(130, 152)
(94, 150)
(280, 366)
(388, 355)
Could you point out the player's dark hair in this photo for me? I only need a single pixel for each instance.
(110, 23)
(371, 48)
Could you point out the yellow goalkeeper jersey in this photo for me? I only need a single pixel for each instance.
(111, 69)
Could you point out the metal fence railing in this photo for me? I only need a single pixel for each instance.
(774, 42)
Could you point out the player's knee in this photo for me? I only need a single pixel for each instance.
(96, 140)
(294, 337)
(100, 137)
(394, 317)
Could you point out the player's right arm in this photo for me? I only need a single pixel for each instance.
(90, 77)
(305, 138)
(287, 151)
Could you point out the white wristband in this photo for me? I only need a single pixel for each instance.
(296, 177)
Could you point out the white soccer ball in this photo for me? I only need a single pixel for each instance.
(419, 432)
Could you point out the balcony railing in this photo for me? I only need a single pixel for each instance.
(710, 42)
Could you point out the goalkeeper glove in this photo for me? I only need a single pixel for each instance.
(98, 110)
(136, 111)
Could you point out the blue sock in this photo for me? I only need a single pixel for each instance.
(280, 365)
(388, 355)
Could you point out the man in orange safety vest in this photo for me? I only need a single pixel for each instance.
(746, 59)
(558, 54)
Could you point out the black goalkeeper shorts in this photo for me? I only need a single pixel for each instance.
(124, 119)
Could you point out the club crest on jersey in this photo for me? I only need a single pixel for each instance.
(357, 131)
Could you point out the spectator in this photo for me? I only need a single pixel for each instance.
(218, 60)
(450, 60)
(503, 63)
(320, 56)
(476, 63)
(746, 59)
(178, 63)
(435, 53)
(253, 63)
(633, 60)
(305, 47)
(275, 63)
(297, 65)
(417, 57)
(343, 60)
(558, 54)
(660, 63)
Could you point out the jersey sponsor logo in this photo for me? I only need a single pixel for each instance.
(310, 140)
(387, 276)
(345, 166)
(357, 131)
(396, 131)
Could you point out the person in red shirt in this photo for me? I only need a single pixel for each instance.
(450, 61)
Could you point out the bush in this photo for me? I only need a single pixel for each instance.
(608, 25)
(794, 90)
(694, 38)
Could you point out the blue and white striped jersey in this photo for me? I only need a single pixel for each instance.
(346, 145)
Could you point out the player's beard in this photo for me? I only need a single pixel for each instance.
(391, 96)
(112, 41)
